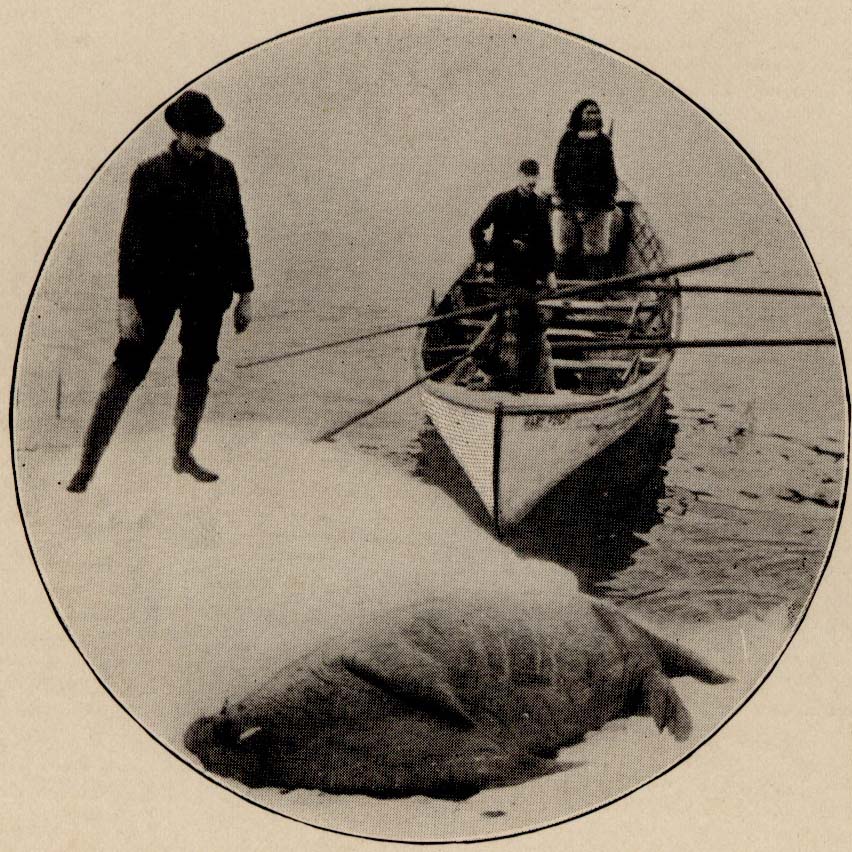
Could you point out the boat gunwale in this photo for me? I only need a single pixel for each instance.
(524, 404)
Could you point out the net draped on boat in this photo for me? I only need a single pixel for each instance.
(470, 436)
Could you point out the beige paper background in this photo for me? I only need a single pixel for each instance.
(77, 772)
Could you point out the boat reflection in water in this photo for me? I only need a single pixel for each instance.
(586, 522)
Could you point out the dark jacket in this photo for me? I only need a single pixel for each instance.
(516, 216)
(584, 171)
(184, 231)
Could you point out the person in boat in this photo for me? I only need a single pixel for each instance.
(520, 251)
(183, 249)
(585, 183)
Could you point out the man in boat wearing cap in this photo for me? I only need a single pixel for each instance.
(183, 249)
(521, 251)
(584, 184)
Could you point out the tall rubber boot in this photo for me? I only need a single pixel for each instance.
(192, 395)
(117, 388)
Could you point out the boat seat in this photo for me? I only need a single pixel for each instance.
(602, 323)
(627, 305)
(556, 331)
(598, 364)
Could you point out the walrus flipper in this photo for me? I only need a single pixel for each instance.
(675, 660)
(680, 662)
(660, 701)
(412, 676)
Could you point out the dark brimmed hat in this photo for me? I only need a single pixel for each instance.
(193, 113)
(529, 168)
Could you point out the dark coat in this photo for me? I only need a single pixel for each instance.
(184, 232)
(515, 216)
(584, 171)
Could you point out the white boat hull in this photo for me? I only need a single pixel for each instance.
(534, 450)
(516, 447)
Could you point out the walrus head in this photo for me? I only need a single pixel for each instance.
(226, 745)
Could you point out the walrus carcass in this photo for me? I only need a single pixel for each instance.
(447, 699)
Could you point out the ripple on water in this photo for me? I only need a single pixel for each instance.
(692, 515)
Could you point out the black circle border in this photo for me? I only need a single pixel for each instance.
(489, 14)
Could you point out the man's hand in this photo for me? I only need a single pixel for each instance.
(242, 313)
(129, 321)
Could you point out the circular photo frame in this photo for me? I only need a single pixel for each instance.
(452, 474)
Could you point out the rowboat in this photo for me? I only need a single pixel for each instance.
(515, 448)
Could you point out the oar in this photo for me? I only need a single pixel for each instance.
(569, 288)
(675, 343)
(327, 436)
(724, 288)
(663, 343)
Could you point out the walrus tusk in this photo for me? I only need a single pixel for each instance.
(249, 732)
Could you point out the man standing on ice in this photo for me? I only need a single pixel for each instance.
(183, 249)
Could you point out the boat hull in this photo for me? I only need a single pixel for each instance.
(514, 458)
(515, 448)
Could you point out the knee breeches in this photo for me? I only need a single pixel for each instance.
(588, 230)
(199, 338)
